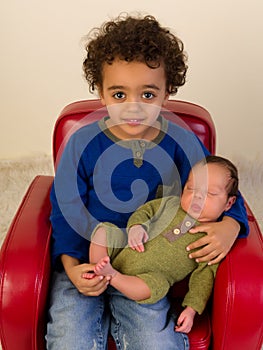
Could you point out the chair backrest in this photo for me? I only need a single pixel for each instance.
(80, 113)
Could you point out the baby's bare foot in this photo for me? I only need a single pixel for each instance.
(104, 268)
(88, 275)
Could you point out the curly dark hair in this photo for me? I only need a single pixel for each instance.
(135, 39)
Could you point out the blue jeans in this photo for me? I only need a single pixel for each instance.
(77, 322)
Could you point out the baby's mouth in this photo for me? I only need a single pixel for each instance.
(196, 208)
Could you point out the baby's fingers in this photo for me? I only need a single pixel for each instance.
(139, 247)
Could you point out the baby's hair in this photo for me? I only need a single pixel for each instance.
(139, 39)
(232, 186)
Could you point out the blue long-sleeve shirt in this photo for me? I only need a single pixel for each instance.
(101, 178)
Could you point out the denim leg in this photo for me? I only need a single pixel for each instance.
(76, 322)
(139, 327)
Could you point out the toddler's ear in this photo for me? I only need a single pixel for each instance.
(165, 99)
(103, 101)
(101, 97)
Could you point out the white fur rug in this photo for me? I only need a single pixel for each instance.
(16, 175)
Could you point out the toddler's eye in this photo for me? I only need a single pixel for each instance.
(119, 95)
(148, 95)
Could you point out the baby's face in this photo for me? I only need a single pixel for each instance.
(205, 193)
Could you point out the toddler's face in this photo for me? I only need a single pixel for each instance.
(205, 193)
(134, 95)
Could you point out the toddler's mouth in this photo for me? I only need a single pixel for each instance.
(134, 121)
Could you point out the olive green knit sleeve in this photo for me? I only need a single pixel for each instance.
(144, 214)
(158, 213)
(200, 286)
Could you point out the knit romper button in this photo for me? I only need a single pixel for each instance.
(188, 223)
(177, 231)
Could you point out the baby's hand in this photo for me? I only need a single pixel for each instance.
(185, 320)
(136, 237)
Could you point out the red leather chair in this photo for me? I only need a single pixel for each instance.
(233, 318)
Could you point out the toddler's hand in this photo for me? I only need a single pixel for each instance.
(137, 236)
(80, 277)
(216, 244)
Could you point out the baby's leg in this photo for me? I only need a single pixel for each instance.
(97, 249)
(132, 286)
(104, 267)
(98, 245)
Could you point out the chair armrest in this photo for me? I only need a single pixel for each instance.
(238, 298)
(25, 270)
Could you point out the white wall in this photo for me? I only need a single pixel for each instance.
(41, 59)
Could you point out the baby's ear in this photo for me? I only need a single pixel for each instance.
(231, 200)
